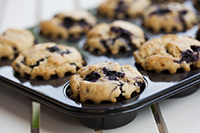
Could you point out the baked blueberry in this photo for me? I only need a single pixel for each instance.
(47, 59)
(169, 52)
(121, 9)
(74, 23)
(168, 17)
(93, 76)
(113, 38)
(189, 56)
(106, 81)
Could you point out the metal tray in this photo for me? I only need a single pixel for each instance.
(107, 115)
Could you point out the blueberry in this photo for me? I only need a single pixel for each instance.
(14, 48)
(189, 56)
(82, 23)
(66, 52)
(183, 12)
(125, 36)
(174, 29)
(195, 48)
(68, 22)
(162, 29)
(93, 77)
(140, 84)
(160, 11)
(120, 74)
(97, 51)
(104, 42)
(113, 75)
(105, 70)
(73, 64)
(121, 33)
(120, 30)
(53, 49)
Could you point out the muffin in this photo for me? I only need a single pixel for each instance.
(169, 52)
(119, 36)
(13, 41)
(169, 17)
(106, 81)
(67, 25)
(46, 60)
(121, 9)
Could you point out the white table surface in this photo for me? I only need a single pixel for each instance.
(182, 115)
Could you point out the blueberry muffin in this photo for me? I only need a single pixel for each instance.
(46, 60)
(69, 24)
(13, 41)
(121, 9)
(161, 1)
(119, 36)
(106, 81)
(169, 52)
(196, 4)
(169, 17)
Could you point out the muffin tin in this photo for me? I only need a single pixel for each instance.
(53, 92)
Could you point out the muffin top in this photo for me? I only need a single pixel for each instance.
(169, 52)
(121, 9)
(169, 17)
(68, 24)
(111, 38)
(106, 81)
(13, 41)
(46, 60)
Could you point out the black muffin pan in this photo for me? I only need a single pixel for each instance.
(106, 115)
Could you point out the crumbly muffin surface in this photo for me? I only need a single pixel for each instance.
(46, 60)
(119, 36)
(122, 9)
(169, 17)
(106, 81)
(69, 24)
(170, 52)
(13, 41)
